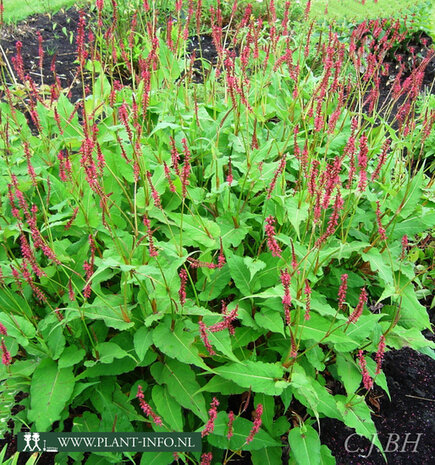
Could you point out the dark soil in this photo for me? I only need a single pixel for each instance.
(59, 47)
(410, 375)
(409, 416)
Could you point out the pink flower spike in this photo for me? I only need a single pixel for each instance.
(367, 380)
(146, 407)
(353, 318)
(206, 458)
(307, 291)
(152, 250)
(155, 195)
(204, 337)
(342, 291)
(6, 356)
(182, 291)
(257, 423)
(270, 233)
(286, 300)
(230, 425)
(186, 168)
(212, 413)
(404, 246)
(221, 258)
(381, 230)
(380, 354)
(3, 330)
(230, 172)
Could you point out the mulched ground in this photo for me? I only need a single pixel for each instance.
(410, 375)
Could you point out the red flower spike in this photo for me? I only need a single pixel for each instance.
(381, 230)
(257, 423)
(155, 195)
(367, 380)
(206, 458)
(152, 250)
(186, 168)
(212, 413)
(307, 291)
(404, 247)
(342, 291)
(271, 241)
(280, 169)
(286, 300)
(146, 407)
(380, 354)
(204, 337)
(182, 291)
(230, 425)
(6, 356)
(353, 318)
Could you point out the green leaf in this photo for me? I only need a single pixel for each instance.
(380, 263)
(168, 408)
(50, 390)
(380, 379)
(86, 423)
(316, 356)
(117, 367)
(258, 376)
(412, 313)
(195, 233)
(55, 341)
(266, 456)
(216, 284)
(18, 327)
(108, 351)
(413, 225)
(318, 326)
(183, 387)
(326, 458)
(71, 356)
(270, 319)
(177, 343)
(357, 415)
(312, 394)
(253, 265)
(221, 341)
(157, 458)
(349, 373)
(240, 274)
(408, 197)
(241, 429)
(143, 338)
(110, 314)
(296, 213)
(223, 386)
(305, 445)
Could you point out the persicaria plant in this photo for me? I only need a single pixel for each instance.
(184, 253)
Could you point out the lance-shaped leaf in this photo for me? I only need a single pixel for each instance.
(168, 408)
(183, 387)
(177, 343)
(305, 445)
(258, 376)
(357, 415)
(50, 390)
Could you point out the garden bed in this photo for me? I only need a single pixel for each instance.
(410, 375)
